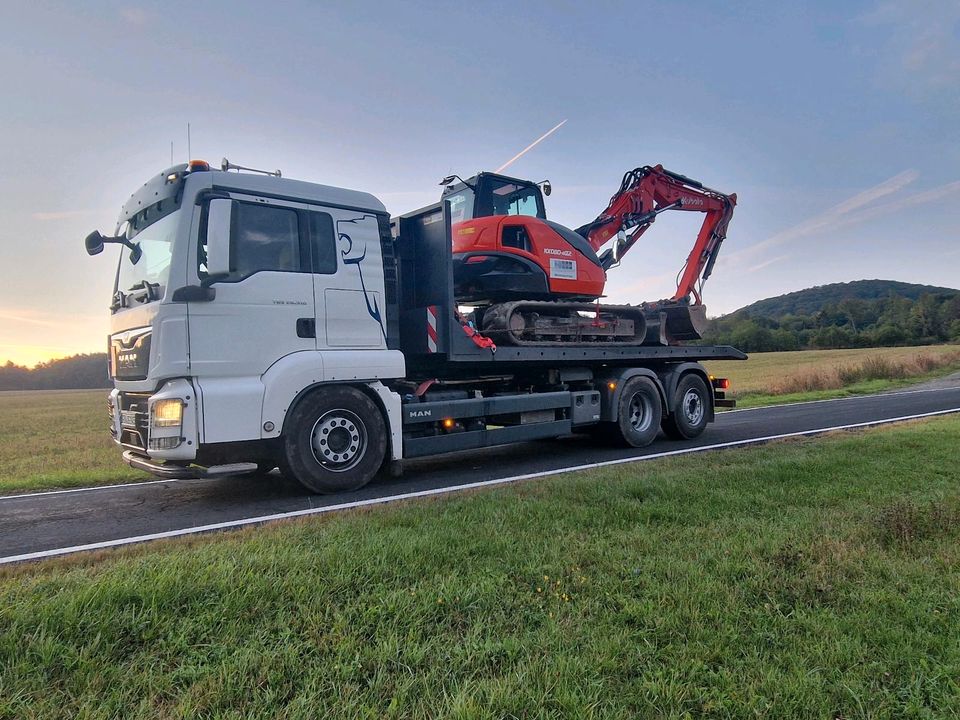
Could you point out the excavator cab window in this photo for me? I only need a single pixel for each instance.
(515, 199)
(504, 196)
(461, 205)
(515, 236)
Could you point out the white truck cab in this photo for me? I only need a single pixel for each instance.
(243, 290)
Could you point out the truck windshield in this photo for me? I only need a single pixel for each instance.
(150, 272)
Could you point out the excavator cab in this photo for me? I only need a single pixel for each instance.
(487, 194)
(505, 248)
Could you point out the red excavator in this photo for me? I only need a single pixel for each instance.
(535, 282)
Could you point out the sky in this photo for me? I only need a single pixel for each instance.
(837, 125)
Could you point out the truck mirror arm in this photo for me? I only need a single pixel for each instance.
(94, 243)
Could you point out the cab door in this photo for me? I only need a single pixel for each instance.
(264, 307)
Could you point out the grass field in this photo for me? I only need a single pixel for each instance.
(58, 438)
(816, 578)
(819, 374)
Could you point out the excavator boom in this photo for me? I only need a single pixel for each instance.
(646, 192)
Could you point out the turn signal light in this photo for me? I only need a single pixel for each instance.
(720, 383)
(448, 423)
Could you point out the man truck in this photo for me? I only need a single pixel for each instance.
(259, 321)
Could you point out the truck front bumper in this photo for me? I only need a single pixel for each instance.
(172, 471)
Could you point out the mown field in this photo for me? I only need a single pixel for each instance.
(818, 374)
(60, 438)
(57, 438)
(811, 578)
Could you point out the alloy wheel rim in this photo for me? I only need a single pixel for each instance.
(338, 440)
(693, 407)
(639, 412)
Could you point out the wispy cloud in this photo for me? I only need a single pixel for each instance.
(923, 45)
(767, 263)
(64, 215)
(830, 218)
(860, 208)
(136, 16)
(33, 317)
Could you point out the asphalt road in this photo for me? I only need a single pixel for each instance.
(67, 521)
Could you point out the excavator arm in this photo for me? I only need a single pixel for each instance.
(645, 193)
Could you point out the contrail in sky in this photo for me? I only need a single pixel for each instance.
(531, 146)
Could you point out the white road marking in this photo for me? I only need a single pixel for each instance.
(93, 488)
(826, 400)
(445, 490)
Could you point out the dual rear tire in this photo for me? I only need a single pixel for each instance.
(689, 415)
(640, 412)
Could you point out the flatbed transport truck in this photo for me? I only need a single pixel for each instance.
(259, 321)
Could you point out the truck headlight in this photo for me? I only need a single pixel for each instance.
(167, 413)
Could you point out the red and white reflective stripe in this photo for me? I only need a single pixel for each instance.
(432, 328)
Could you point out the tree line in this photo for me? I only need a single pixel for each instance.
(850, 323)
(79, 371)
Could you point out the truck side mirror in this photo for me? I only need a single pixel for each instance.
(94, 243)
(219, 214)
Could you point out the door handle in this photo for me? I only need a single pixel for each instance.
(306, 327)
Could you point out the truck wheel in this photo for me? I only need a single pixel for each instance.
(689, 414)
(335, 440)
(638, 414)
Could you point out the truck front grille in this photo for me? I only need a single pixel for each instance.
(134, 420)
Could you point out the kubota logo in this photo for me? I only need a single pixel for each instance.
(553, 251)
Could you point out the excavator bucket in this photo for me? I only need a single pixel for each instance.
(668, 323)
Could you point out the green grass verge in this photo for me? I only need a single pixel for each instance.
(813, 578)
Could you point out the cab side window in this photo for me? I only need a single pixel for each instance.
(323, 244)
(265, 238)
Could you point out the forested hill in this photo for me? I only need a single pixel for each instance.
(812, 300)
(865, 313)
(79, 371)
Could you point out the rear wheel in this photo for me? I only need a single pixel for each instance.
(689, 415)
(638, 414)
(335, 441)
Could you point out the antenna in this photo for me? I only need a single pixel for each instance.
(189, 152)
(171, 152)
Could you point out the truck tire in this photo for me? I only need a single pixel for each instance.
(690, 412)
(335, 440)
(638, 414)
